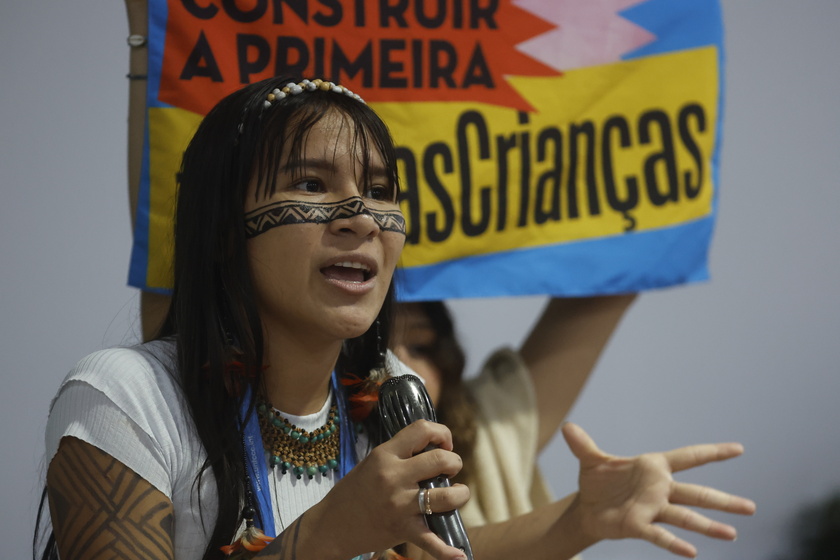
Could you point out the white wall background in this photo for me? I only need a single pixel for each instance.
(751, 356)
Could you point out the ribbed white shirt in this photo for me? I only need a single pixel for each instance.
(125, 402)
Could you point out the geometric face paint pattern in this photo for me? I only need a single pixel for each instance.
(296, 212)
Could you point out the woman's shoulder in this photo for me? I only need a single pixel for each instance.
(126, 363)
(129, 373)
(126, 401)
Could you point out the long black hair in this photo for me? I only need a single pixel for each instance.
(213, 302)
(213, 313)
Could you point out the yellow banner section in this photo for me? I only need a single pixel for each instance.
(603, 154)
(170, 130)
(610, 149)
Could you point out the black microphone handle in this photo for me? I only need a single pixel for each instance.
(404, 400)
(447, 525)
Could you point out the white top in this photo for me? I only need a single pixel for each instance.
(125, 402)
(506, 479)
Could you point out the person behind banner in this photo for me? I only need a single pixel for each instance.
(230, 433)
(503, 418)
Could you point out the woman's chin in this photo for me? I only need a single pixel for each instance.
(353, 327)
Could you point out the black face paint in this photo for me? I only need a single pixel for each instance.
(297, 212)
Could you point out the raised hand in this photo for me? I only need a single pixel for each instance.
(626, 497)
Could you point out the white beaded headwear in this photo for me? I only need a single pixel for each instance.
(306, 85)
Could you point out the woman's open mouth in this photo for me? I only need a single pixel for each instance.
(348, 271)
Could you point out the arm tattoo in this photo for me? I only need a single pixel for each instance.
(284, 547)
(101, 509)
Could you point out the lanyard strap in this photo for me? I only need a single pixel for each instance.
(255, 462)
(346, 429)
(255, 465)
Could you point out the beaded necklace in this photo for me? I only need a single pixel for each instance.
(297, 450)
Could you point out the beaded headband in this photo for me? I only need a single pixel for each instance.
(306, 85)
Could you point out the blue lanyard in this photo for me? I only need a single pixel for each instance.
(255, 462)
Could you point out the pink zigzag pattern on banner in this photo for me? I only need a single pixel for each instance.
(588, 32)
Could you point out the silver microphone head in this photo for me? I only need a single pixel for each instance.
(403, 400)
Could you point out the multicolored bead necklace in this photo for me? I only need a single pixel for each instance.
(296, 450)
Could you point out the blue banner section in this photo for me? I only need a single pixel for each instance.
(631, 263)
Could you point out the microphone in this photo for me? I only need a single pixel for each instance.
(403, 400)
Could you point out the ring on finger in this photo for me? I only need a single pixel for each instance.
(422, 500)
(428, 501)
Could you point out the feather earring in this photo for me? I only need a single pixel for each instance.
(363, 392)
(249, 544)
(252, 540)
(379, 372)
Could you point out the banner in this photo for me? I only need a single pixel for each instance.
(563, 147)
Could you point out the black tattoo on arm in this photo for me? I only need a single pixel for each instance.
(284, 547)
(102, 510)
(297, 212)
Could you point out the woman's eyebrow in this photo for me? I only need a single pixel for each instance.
(379, 172)
(376, 172)
(303, 164)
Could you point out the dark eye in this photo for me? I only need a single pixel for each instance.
(380, 192)
(308, 185)
(421, 350)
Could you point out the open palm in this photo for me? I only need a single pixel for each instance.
(628, 497)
